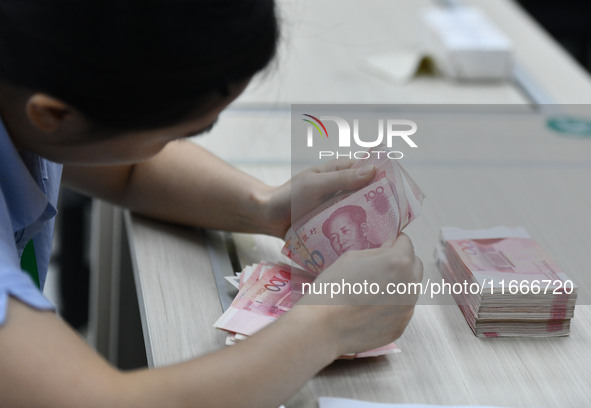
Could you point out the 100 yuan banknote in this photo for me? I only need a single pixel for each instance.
(409, 196)
(261, 300)
(357, 220)
(362, 220)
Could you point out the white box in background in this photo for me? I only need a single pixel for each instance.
(465, 45)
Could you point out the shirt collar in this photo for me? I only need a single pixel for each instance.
(25, 199)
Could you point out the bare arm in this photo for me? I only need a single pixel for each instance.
(186, 184)
(45, 364)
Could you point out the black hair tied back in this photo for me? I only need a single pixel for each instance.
(135, 63)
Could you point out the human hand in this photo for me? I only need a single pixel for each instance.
(353, 323)
(308, 189)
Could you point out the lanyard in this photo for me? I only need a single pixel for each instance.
(29, 263)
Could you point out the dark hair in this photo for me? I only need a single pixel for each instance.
(356, 213)
(135, 63)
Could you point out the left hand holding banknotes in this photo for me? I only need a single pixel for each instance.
(310, 188)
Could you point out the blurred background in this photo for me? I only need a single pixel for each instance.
(566, 21)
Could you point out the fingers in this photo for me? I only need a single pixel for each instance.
(347, 179)
(418, 269)
(388, 243)
(400, 248)
(403, 254)
(395, 248)
(403, 246)
(335, 165)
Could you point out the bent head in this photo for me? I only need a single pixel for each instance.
(347, 229)
(114, 81)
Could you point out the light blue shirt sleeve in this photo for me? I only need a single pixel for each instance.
(13, 281)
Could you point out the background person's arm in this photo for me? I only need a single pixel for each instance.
(186, 184)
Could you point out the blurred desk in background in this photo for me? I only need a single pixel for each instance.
(536, 179)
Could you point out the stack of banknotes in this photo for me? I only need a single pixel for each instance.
(265, 292)
(505, 283)
(362, 219)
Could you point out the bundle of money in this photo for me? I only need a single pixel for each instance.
(505, 284)
(362, 219)
(265, 292)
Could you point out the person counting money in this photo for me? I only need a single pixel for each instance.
(102, 93)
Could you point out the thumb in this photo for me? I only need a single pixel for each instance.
(389, 243)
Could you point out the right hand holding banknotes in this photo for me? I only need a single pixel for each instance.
(328, 242)
(358, 322)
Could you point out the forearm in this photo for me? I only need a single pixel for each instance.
(43, 363)
(189, 185)
(185, 184)
(263, 371)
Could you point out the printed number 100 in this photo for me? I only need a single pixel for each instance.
(316, 262)
(371, 195)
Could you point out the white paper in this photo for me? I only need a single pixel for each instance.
(399, 66)
(466, 45)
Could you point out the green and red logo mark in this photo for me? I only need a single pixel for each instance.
(316, 123)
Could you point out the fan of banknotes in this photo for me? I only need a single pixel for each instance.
(265, 292)
(357, 220)
(505, 284)
(361, 219)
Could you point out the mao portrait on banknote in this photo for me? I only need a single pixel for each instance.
(346, 229)
(362, 220)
